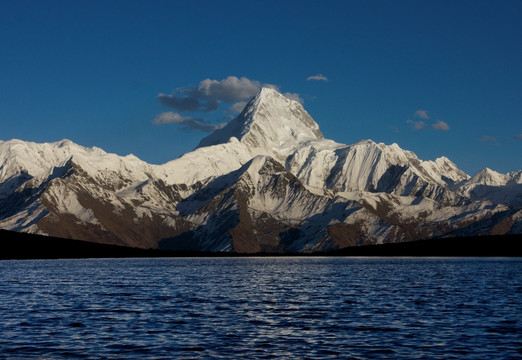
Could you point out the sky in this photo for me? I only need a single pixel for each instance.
(152, 78)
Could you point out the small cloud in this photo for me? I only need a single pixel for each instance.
(188, 123)
(417, 125)
(423, 114)
(318, 77)
(440, 125)
(395, 129)
(187, 103)
(230, 89)
(518, 137)
(487, 138)
(294, 96)
(237, 107)
(209, 94)
(207, 97)
(490, 139)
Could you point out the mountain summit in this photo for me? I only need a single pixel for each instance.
(267, 181)
(269, 121)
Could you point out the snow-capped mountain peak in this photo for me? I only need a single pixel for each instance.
(270, 121)
(490, 177)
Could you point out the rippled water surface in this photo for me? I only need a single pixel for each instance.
(358, 308)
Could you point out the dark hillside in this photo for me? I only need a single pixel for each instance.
(15, 245)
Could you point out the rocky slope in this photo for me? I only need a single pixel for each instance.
(268, 181)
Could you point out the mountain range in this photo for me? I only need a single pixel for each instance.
(268, 181)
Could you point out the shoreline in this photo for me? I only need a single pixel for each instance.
(23, 246)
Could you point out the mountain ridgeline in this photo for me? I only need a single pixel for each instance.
(266, 182)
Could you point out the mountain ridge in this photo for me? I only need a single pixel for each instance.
(267, 181)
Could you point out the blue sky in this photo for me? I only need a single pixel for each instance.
(436, 77)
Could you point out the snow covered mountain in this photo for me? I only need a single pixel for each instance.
(267, 181)
(493, 186)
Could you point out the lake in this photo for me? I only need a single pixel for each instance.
(283, 307)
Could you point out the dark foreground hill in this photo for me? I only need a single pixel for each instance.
(15, 245)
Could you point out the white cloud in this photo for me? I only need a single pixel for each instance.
(169, 118)
(395, 129)
(440, 125)
(490, 139)
(208, 95)
(420, 124)
(188, 123)
(294, 96)
(423, 114)
(318, 77)
(237, 107)
(417, 125)
(230, 89)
